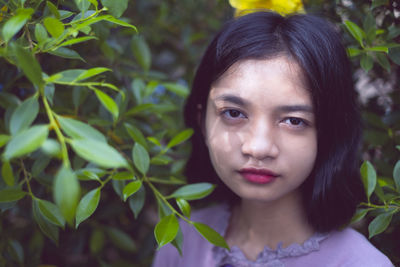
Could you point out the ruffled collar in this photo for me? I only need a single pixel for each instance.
(268, 257)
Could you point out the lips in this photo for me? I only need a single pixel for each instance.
(258, 176)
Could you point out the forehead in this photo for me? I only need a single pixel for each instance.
(278, 79)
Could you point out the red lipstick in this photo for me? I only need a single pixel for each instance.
(258, 176)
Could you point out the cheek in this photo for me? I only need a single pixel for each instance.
(222, 146)
(302, 154)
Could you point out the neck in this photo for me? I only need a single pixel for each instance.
(255, 224)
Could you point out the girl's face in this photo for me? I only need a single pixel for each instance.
(260, 129)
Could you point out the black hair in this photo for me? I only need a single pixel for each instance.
(334, 187)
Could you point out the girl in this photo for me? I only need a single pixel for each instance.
(277, 128)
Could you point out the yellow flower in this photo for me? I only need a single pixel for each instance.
(283, 7)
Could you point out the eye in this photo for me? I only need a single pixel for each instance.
(295, 122)
(233, 114)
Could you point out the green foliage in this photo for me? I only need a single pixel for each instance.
(210, 234)
(88, 124)
(374, 38)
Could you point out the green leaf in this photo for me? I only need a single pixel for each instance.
(160, 160)
(54, 26)
(77, 40)
(366, 62)
(184, 206)
(108, 103)
(177, 89)
(355, 31)
(178, 241)
(379, 224)
(66, 76)
(118, 186)
(211, 235)
(15, 24)
(394, 55)
(124, 176)
(369, 25)
(8, 100)
(140, 108)
(53, 9)
(52, 148)
(142, 52)
(171, 180)
(29, 65)
(359, 215)
(121, 240)
(90, 73)
(193, 191)
(115, 7)
(16, 251)
(64, 14)
(163, 209)
(39, 165)
(4, 139)
(131, 189)
(87, 206)
(89, 174)
(384, 49)
(49, 91)
(377, 3)
(180, 137)
(166, 230)
(117, 21)
(51, 212)
(41, 34)
(383, 61)
(396, 175)
(394, 31)
(7, 173)
(66, 193)
(79, 130)
(94, 2)
(66, 53)
(136, 202)
(368, 176)
(99, 153)
(154, 140)
(26, 141)
(353, 51)
(82, 5)
(141, 158)
(136, 134)
(10, 195)
(49, 229)
(24, 115)
(379, 192)
(137, 88)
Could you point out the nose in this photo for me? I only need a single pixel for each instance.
(260, 142)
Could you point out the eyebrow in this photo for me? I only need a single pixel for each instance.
(296, 108)
(283, 109)
(232, 99)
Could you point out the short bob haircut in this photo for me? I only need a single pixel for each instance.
(334, 187)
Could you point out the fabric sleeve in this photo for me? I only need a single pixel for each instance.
(166, 256)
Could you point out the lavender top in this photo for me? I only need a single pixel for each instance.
(338, 248)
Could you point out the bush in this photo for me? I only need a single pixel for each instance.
(92, 119)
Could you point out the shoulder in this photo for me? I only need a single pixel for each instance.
(351, 248)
